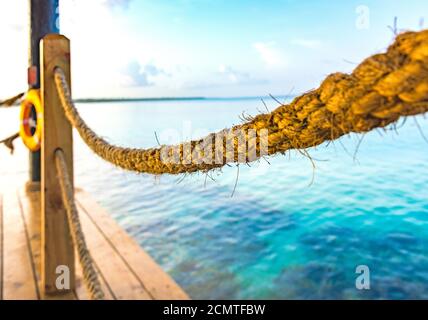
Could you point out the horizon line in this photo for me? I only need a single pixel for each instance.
(190, 98)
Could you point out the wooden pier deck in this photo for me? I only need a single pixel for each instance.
(125, 270)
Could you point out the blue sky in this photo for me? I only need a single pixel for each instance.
(208, 47)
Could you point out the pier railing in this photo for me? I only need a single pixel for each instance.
(380, 90)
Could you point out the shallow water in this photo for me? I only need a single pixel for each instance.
(279, 236)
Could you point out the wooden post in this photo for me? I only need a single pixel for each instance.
(57, 248)
(44, 15)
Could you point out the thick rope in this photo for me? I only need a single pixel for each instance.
(90, 277)
(8, 142)
(377, 93)
(11, 101)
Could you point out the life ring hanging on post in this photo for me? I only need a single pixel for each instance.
(31, 120)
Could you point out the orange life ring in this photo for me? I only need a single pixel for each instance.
(31, 120)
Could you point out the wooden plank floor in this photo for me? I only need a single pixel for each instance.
(125, 270)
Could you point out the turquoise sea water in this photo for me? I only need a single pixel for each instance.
(279, 236)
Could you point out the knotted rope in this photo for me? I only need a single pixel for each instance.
(90, 277)
(377, 93)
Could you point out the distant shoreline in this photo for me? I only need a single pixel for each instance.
(94, 100)
(107, 100)
(112, 100)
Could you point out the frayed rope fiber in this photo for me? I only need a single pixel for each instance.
(383, 88)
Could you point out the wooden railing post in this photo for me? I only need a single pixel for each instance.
(57, 250)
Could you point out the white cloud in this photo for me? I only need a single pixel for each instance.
(269, 53)
(233, 75)
(118, 3)
(136, 75)
(306, 43)
(225, 78)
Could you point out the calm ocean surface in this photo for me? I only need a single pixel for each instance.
(278, 236)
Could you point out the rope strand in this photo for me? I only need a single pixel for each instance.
(11, 101)
(90, 277)
(378, 92)
(8, 142)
